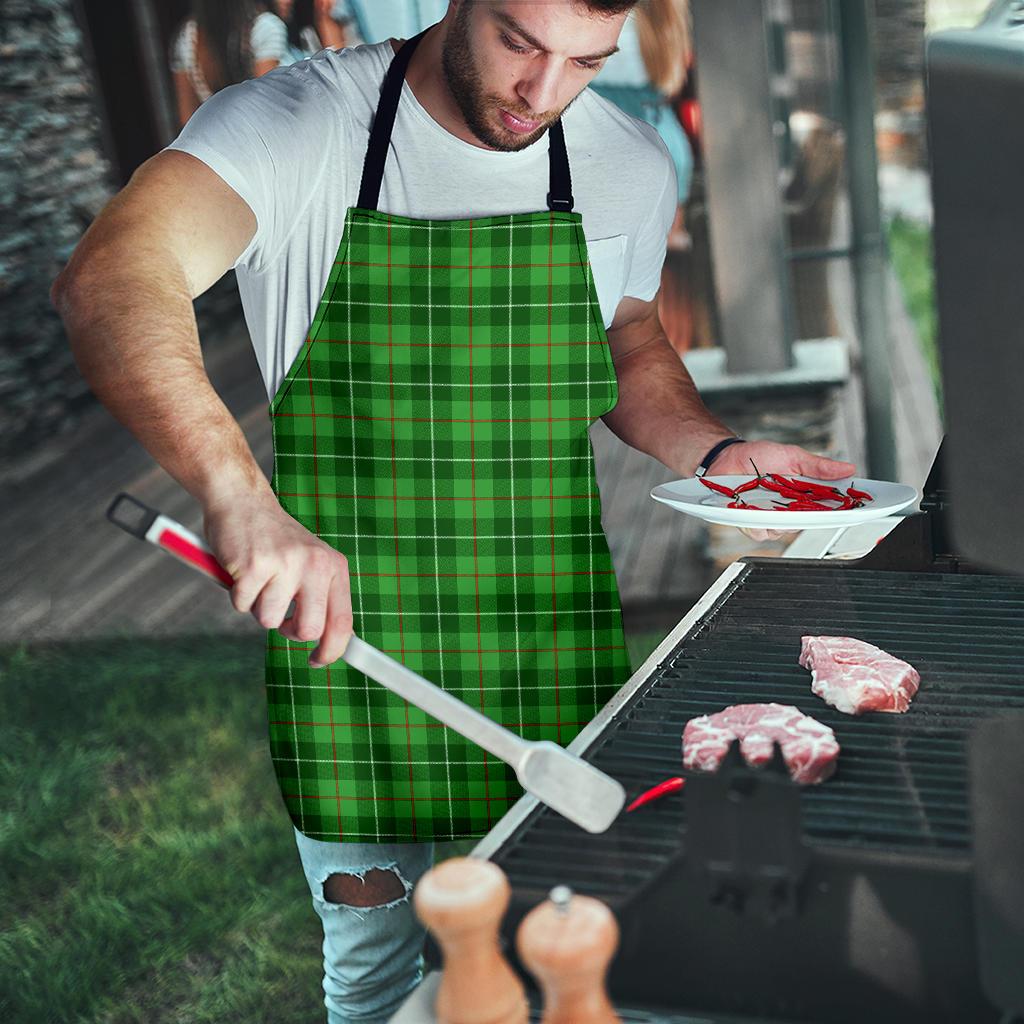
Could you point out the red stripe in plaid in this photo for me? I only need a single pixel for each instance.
(412, 725)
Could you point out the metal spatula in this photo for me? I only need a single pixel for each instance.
(564, 782)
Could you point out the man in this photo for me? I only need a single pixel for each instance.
(435, 350)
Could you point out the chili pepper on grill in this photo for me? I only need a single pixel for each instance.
(660, 790)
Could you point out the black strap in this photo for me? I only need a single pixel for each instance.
(559, 185)
(383, 122)
(705, 463)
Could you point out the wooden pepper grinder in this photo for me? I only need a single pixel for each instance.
(462, 901)
(567, 943)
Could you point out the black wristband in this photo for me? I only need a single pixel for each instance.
(705, 463)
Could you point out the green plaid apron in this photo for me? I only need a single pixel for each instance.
(434, 429)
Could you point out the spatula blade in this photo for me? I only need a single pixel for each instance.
(571, 786)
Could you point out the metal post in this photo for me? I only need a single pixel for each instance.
(154, 64)
(742, 173)
(868, 241)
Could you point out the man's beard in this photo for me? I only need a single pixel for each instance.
(464, 83)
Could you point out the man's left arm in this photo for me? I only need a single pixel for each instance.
(660, 412)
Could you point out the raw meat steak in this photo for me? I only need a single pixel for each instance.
(855, 677)
(808, 747)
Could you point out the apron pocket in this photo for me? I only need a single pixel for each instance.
(608, 265)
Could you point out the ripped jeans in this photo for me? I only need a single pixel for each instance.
(373, 955)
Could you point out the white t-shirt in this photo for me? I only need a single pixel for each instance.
(292, 143)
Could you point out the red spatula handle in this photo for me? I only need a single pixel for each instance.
(147, 524)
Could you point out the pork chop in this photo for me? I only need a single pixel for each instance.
(854, 676)
(809, 748)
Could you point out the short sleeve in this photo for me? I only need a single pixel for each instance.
(269, 139)
(652, 237)
(269, 38)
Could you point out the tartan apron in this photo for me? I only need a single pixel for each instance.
(434, 429)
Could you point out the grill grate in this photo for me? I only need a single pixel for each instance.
(901, 784)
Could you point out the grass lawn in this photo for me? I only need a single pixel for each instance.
(910, 248)
(149, 870)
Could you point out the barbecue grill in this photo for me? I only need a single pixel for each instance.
(895, 890)
(746, 895)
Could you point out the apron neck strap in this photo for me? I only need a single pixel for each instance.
(383, 122)
(560, 185)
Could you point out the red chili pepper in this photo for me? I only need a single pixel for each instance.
(750, 485)
(862, 495)
(660, 790)
(809, 487)
(807, 506)
(721, 489)
(786, 492)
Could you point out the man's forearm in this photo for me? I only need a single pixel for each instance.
(660, 411)
(134, 337)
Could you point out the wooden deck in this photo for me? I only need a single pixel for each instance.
(69, 573)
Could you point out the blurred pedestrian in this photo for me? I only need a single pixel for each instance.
(649, 72)
(223, 42)
(313, 25)
(645, 78)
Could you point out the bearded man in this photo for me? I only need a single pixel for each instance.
(448, 252)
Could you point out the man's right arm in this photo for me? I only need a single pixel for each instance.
(126, 300)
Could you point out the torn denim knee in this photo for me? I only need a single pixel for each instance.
(361, 912)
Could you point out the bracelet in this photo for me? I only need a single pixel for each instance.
(705, 463)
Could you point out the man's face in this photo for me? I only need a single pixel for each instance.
(513, 66)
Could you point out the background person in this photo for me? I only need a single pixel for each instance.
(221, 43)
(313, 25)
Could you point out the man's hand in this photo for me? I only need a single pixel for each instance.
(273, 560)
(771, 457)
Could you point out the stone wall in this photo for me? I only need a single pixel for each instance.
(54, 178)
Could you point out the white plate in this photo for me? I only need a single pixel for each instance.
(693, 498)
